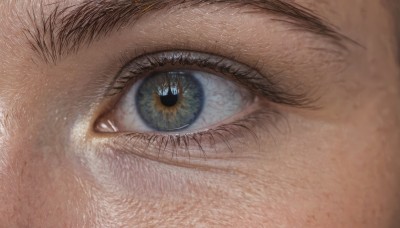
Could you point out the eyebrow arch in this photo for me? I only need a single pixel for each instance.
(65, 29)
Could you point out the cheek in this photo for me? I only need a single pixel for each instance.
(136, 191)
(10, 167)
(39, 184)
(343, 174)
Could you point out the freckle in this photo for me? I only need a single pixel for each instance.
(328, 195)
(328, 214)
(311, 219)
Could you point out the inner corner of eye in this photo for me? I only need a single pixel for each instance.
(105, 125)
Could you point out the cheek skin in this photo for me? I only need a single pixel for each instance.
(304, 187)
(40, 186)
(340, 183)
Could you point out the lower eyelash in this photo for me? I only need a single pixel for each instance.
(197, 145)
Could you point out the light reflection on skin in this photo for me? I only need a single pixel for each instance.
(3, 138)
(334, 165)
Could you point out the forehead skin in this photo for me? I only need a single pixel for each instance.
(356, 163)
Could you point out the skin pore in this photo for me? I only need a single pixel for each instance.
(321, 150)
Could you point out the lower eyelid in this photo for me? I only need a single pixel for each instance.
(227, 141)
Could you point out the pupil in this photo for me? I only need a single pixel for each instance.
(170, 99)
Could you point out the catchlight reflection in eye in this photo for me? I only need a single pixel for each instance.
(178, 101)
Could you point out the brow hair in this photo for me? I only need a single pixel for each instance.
(66, 28)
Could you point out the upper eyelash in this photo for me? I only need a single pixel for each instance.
(249, 77)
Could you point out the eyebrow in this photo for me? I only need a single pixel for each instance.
(65, 29)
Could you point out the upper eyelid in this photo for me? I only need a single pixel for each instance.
(65, 29)
(262, 84)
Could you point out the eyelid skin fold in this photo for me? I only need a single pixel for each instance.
(264, 85)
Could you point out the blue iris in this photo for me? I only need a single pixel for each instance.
(170, 101)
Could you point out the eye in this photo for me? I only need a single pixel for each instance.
(189, 103)
(178, 101)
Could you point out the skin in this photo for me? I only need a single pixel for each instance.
(335, 166)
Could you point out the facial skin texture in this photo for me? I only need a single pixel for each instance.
(337, 165)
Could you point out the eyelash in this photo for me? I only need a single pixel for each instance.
(264, 85)
(183, 144)
(145, 64)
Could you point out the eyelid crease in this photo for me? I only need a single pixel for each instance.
(266, 85)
